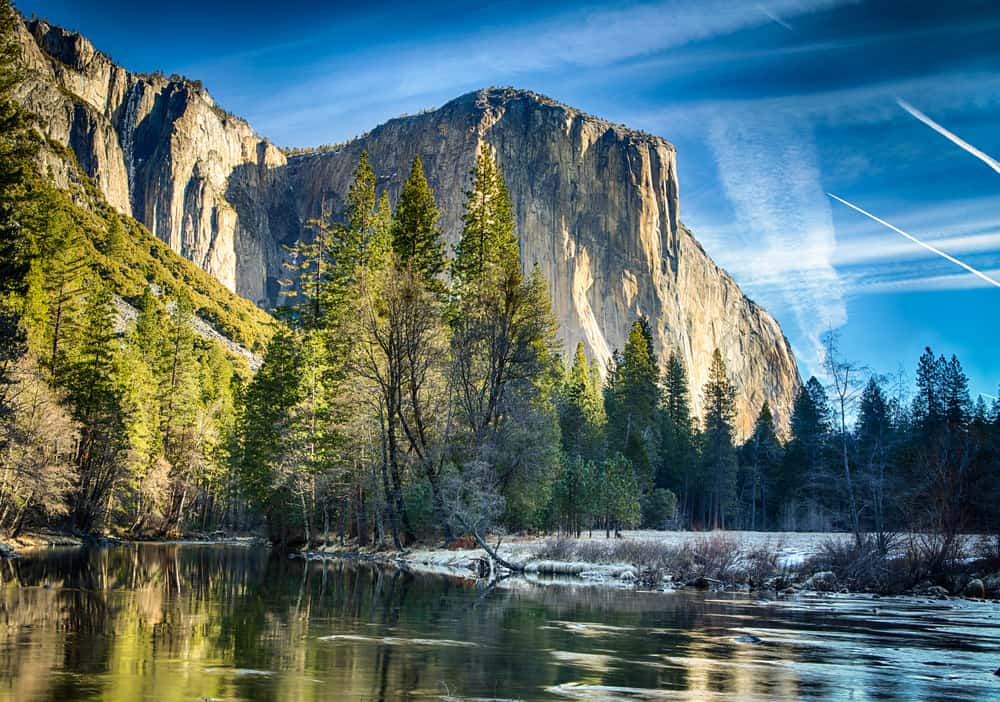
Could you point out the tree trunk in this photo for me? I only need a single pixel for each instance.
(363, 538)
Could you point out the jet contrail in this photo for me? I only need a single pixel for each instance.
(915, 240)
(989, 396)
(950, 136)
(774, 18)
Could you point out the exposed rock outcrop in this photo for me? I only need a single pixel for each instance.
(597, 204)
(159, 150)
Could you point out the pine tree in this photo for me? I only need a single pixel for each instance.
(573, 493)
(503, 360)
(489, 238)
(929, 403)
(415, 235)
(718, 452)
(631, 400)
(93, 392)
(179, 410)
(617, 494)
(62, 272)
(678, 448)
(359, 244)
(804, 466)
(307, 267)
(761, 458)
(580, 409)
(263, 419)
(141, 491)
(955, 387)
(18, 146)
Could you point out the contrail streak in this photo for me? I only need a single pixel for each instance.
(989, 396)
(774, 18)
(915, 240)
(950, 136)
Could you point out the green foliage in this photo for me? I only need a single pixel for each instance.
(659, 507)
(581, 410)
(415, 235)
(631, 399)
(760, 462)
(678, 442)
(265, 409)
(488, 249)
(719, 459)
(18, 145)
(617, 497)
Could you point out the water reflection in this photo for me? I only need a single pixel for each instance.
(182, 622)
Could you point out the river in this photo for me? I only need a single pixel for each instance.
(204, 622)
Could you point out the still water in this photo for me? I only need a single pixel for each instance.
(188, 622)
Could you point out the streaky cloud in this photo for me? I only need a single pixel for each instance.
(917, 241)
(775, 18)
(950, 136)
(770, 174)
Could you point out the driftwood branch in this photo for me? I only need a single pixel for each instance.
(491, 551)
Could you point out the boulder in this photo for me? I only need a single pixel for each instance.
(937, 592)
(975, 588)
(823, 581)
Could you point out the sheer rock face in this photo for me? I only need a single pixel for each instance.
(596, 203)
(159, 150)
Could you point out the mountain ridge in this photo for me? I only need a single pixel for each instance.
(597, 203)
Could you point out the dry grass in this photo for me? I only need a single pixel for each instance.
(705, 560)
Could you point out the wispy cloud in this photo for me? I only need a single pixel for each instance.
(953, 92)
(770, 174)
(917, 281)
(582, 38)
(915, 240)
(855, 252)
(950, 136)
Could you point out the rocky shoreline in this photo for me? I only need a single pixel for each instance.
(705, 562)
(742, 573)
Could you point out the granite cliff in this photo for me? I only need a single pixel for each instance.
(597, 203)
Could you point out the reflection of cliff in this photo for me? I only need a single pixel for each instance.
(597, 203)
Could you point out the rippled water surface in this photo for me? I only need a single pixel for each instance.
(186, 622)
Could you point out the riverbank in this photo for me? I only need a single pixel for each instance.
(771, 565)
(34, 540)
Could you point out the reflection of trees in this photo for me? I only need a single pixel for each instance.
(133, 622)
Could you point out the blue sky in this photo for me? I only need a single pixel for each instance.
(771, 105)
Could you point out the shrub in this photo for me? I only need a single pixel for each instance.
(761, 563)
(558, 549)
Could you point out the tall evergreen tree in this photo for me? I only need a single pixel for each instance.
(489, 237)
(94, 394)
(929, 402)
(18, 146)
(759, 463)
(678, 447)
(631, 400)
(415, 235)
(265, 415)
(503, 360)
(718, 451)
(361, 243)
(805, 463)
(580, 412)
(307, 266)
